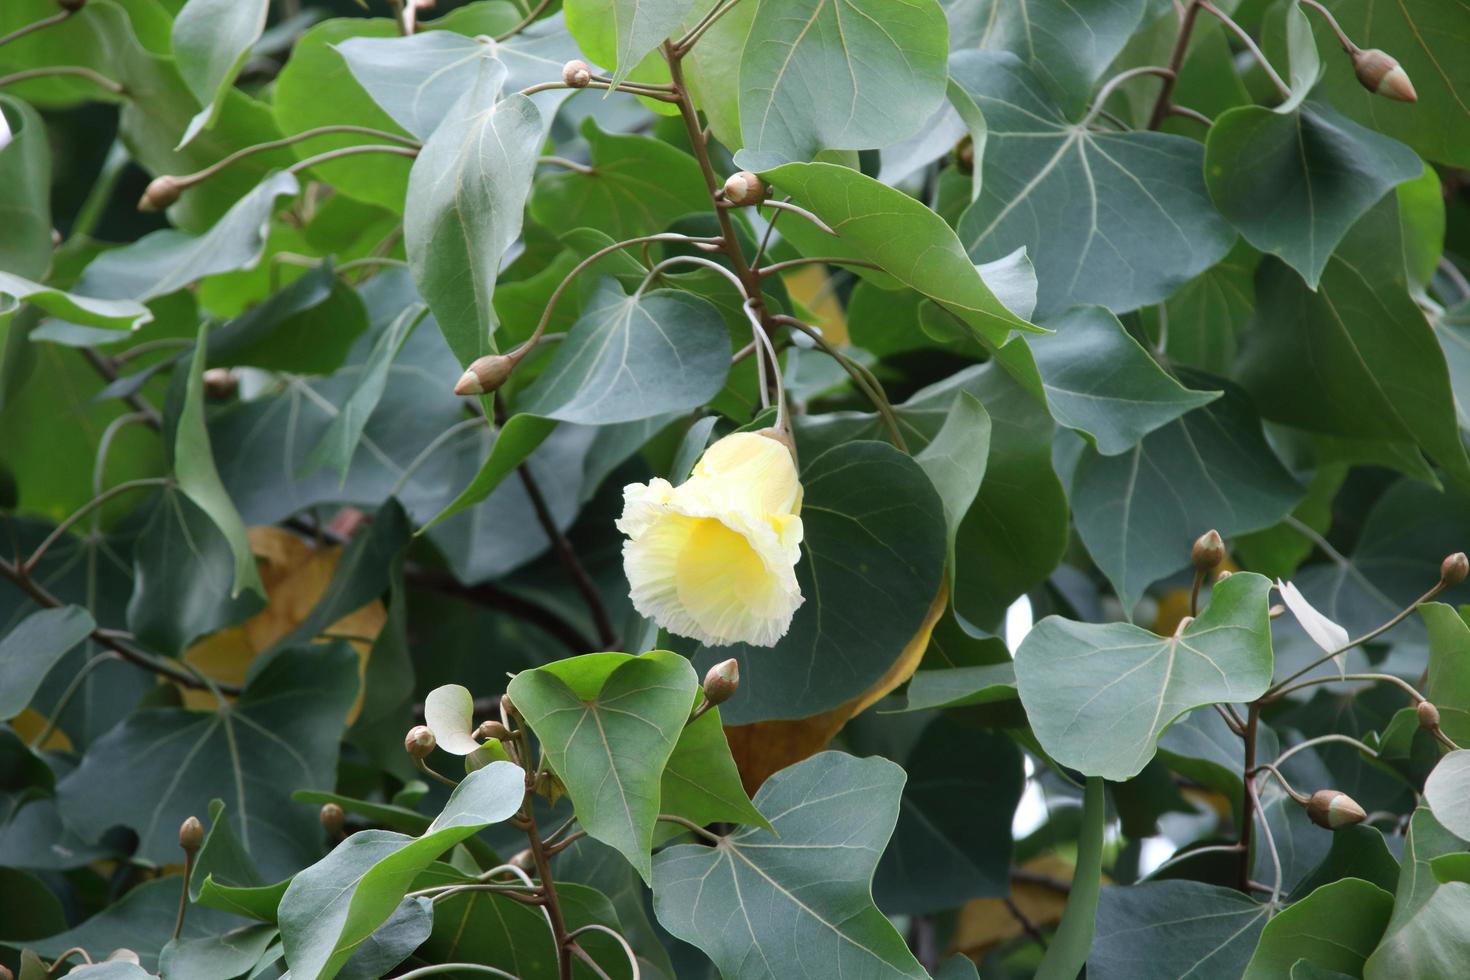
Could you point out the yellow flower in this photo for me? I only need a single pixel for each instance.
(715, 557)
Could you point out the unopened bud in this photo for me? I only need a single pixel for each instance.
(781, 436)
(1223, 575)
(1428, 716)
(1332, 809)
(1276, 611)
(419, 742)
(1454, 568)
(484, 375)
(5, 973)
(71, 6)
(220, 383)
(964, 155)
(1379, 72)
(722, 681)
(745, 188)
(334, 820)
(161, 194)
(524, 860)
(491, 729)
(191, 834)
(576, 74)
(1208, 551)
(124, 955)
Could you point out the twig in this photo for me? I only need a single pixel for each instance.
(691, 826)
(681, 47)
(74, 70)
(1249, 42)
(44, 22)
(526, 21)
(82, 511)
(1111, 85)
(1342, 38)
(776, 267)
(347, 151)
(214, 168)
(617, 936)
(1176, 62)
(566, 164)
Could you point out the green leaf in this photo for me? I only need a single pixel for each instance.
(466, 195)
(1356, 852)
(1336, 927)
(116, 314)
(1099, 695)
(639, 26)
(142, 920)
(184, 577)
(166, 261)
(1067, 954)
(226, 878)
(31, 648)
(1139, 512)
(952, 842)
(637, 186)
(1101, 382)
(1294, 183)
(1164, 930)
(198, 479)
(700, 782)
(25, 185)
(1447, 791)
(955, 461)
(418, 78)
(1117, 219)
(517, 439)
(162, 765)
(765, 903)
(227, 955)
(1200, 324)
(1447, 682)
(336, 904)
(609, 723)
(1424, 38)
(633, 357)
(1417, 945)
(211, 42)
(30, 910)
(873, 554)
(1067, 45)
(307, 327)
(911, 243)
(1380, 373)
(840, 75)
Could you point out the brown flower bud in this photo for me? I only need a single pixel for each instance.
(1428, 716)
(333, 819)
(1208, 551)
(191, 834)
(964, 155)
(524, 860)
(722, 681)
(484, 375)
(5, 973)
(1454, 568)
(1224, 573)
(1379, 72)
(781, 436)
(491, 729)
(220, 383)
(576, 74)
(161, 193)
(71, 6)
(1333, 809)
(745, 188)
(419, 741)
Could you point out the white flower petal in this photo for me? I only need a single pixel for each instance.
(1323, 631)
(449, 711)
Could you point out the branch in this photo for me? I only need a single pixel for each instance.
(1176, 61)
(526, 21)
(568, 558)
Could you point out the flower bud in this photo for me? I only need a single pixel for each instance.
(491, 729)
(781, 436)
(524, 860)
(1428, 716)
(419, 742)
(1453, 569)
(1208, 551)
(745, 188)
(124, 955)
(484, 375)
(964, 155)
(1223, 574)
(1379, 72)
(5, 973)
(1333, 809)
(576, 74)
(71, 6)
(722, 681)
(191, 834)
(334, 820)
(220, 383)
(161, 193)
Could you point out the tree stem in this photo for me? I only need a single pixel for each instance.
(1176, 61)
(1248, 796)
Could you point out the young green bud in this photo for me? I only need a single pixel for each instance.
(745, 188)
(1379, 72)
(333, 819)
(419, 742)
(484, 375)
(491, 729)
(1453, 569)
(576, 74)
(1333, 809)
(1208, 551)
(1428, 716)
(722, 681)
(161, 193)
(191, 834)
